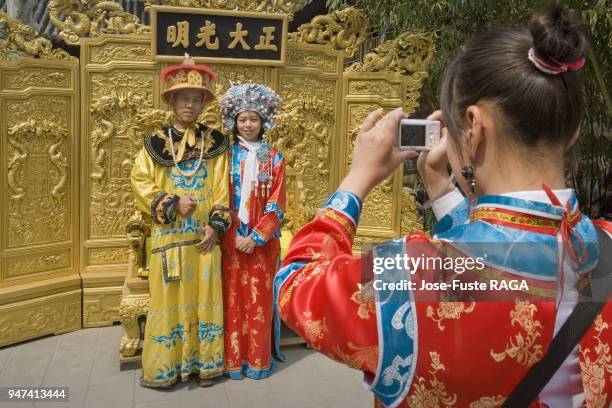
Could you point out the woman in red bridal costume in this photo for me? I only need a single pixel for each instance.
(251, 247)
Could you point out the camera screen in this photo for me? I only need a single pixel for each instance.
(412, 135)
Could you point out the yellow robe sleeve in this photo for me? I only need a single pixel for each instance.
(221, 180)
(150, 197)
(143, 182)
(220, 216)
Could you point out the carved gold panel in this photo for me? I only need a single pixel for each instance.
(309, 119)
(38, 129)
(53, 314)
(23, 78)
(20, 265)
(39, 285)
(75, 19)
(20, 40)
(341, 30)
(408, 55)
(313, 59)
(383, 88)
(268, 6)
(107, 256)
(119, 52)
(389, 211)
(115, 99)
(305, 133)
(101, 306)
(390, 76)
(122, 90)
(121, 84)
(381, 209)
(38, 176)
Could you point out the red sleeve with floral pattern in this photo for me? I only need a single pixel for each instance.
(324, 300)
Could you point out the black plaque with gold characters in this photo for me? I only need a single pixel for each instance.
(225, 36)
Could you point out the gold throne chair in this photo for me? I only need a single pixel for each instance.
(135, 296)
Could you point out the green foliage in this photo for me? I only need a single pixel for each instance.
(453, 22)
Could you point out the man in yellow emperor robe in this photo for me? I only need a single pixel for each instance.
(180, 179)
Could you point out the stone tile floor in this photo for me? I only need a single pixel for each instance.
(87, 362)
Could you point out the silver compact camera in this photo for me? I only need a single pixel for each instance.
(418, 134)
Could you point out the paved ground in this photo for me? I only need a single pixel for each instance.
(87, 362)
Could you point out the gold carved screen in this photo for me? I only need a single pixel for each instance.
(119, 82)
(122, 103)
(40, 287)
(390, 76)
(323, 106)
(66, 196)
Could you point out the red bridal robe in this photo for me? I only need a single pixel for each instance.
(247, 278)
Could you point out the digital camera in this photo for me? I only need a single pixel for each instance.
(418, 134)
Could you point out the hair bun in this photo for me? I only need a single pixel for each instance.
(559, 34)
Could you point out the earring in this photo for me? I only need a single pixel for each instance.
(468, 174)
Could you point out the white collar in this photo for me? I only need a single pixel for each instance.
(252, 146)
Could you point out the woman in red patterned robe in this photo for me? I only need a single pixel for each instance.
(511, 107)
(251, 247)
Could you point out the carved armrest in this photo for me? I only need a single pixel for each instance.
(138, 232)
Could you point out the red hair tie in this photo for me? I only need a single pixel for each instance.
(554, 69)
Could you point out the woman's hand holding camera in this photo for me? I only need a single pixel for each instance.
(433, 164)
(375, 155)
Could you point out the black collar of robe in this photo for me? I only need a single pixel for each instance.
(155, 145)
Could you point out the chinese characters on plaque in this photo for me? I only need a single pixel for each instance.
(218, 35)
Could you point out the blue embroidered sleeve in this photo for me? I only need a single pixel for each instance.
(347, 203)
(276, 209)
(257, 237)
